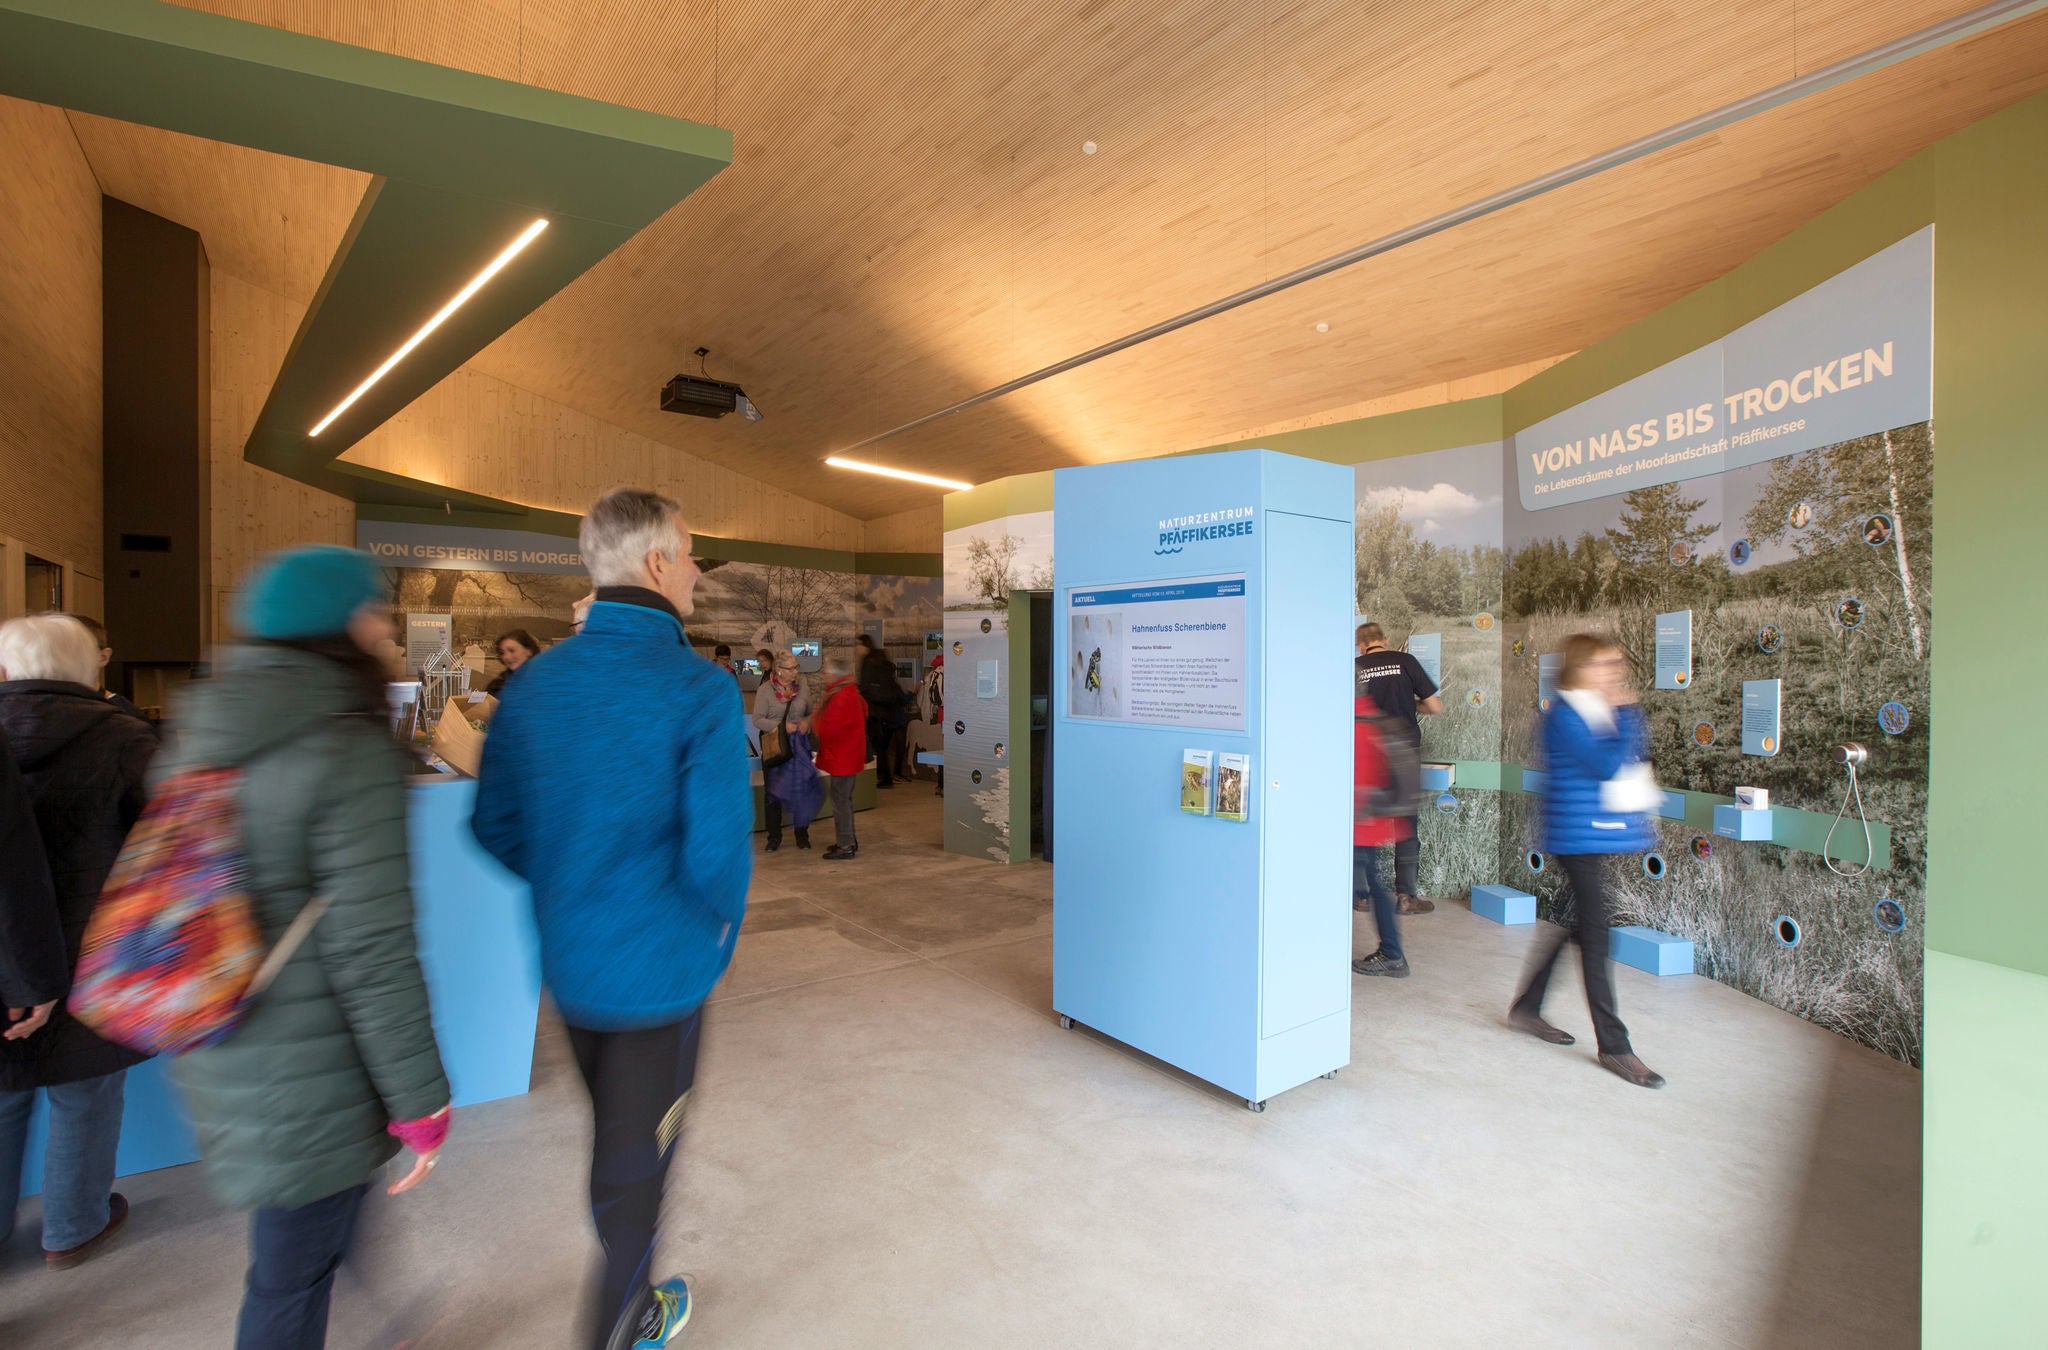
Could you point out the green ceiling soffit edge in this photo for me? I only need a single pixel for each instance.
(462, 162)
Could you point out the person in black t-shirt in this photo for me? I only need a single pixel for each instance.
(1400, 688)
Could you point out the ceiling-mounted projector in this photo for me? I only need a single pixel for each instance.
(700, 396)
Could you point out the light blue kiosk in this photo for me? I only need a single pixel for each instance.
(1202, 672)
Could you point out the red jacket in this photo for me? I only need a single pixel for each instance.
(841, 726)
(1369, 771)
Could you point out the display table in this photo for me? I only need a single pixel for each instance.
(482, 962)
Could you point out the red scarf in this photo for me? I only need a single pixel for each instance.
(785, 692)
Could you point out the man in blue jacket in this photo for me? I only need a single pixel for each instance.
(633, 833)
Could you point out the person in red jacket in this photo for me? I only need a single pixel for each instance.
(1370, 832)
(841, 727)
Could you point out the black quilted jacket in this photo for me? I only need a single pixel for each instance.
(85, 764)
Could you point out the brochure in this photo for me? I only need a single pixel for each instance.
(1233, 786)
(1194, 780)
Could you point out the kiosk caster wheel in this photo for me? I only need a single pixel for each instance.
(1256, 1108)
(1331, 1074)
(1066, 1022)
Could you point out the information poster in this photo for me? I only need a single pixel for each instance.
(1166, 653)
(426, 636)
(1428, 648)
(1547, 666)
(1674, 649)
(1760, 717)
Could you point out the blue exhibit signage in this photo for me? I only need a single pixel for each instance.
(1172, 590)
(1428, 648)
(1674, 649)
(1853, 353)
(1760, 717)
(465, 548)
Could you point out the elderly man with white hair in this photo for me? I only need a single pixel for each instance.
(83, 763)
(635, 833)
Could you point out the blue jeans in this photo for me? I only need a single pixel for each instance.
(293, 1254)
(1367, 880)
(78, 1164)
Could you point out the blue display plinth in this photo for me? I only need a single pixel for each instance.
(1740, 822)
(1648, 949)
(1503, 904)
(482, 963)
(1202, 608)
(1439, 777)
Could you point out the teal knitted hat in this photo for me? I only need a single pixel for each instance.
(306, 592)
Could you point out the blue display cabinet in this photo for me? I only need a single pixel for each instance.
(1202, 631)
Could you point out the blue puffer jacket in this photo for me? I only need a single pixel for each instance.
(1577, 760)
(616, 784)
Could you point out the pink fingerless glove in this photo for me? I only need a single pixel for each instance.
(424, 1135)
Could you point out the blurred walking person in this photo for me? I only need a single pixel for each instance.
(636, 839)
(841, 725)
(335, 1066)
(83, 765)
(1377, 821)
(885, 704)
(782, 705)
(1597, 793)
(1401, 689)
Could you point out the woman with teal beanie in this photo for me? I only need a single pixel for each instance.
(335, 1066)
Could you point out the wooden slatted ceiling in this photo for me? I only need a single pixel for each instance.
(909, 218)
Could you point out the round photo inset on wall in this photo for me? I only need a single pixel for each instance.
(1681, 553)
(1653, 866)
(1877, 531)
(1535, 861)
(1769, 744)
(1738, 552)
(960, 728)
(1849, 613)
(1702, 847)
(959, 647)
(1001, 750)
(1681, 678)
(1785, 929)
(1483, 622)
(1519, 648)
(1448, 804)
(1475, 698)
(986, 625)
(975, 776)
(1703, 733)
(1893, 718)
(1800, 516)
(1888, 914)
(1769, 638)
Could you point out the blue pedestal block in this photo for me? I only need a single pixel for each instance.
(1503, 904)
(1532, 780)
(1738, 822)
(1439, 777)
(1648, 949)
(1673, 807)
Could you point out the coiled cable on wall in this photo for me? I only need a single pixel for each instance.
(1855, 790)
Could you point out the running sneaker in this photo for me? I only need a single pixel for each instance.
(655, 1317)
(1379, 963)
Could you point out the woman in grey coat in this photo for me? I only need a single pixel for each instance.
(790, 789)
(335, 1065)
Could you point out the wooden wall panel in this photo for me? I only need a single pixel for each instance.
(254, 510)
(49, 339)
(481, 434)
(918, 530)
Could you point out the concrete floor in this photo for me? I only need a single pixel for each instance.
(893, 1145)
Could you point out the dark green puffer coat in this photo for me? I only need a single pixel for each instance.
(292, 1106)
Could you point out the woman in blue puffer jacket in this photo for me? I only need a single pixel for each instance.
(1596, 798)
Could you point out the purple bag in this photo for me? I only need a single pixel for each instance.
(795, 782)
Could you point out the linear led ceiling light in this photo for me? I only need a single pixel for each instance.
(476, 284)
(906, 475)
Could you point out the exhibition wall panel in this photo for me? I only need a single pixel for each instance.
(49, 344)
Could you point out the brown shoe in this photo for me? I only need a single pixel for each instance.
(1409, 904)
(1633, 1069)
(117, 1214)
(1540, 1029)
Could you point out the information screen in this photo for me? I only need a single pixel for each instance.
(1165, 653)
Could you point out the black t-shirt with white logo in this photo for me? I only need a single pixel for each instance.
(1395, 682)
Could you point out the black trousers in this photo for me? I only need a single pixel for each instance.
(879, 732)
(293, 1255)
(639, 1084)
(1589, 929)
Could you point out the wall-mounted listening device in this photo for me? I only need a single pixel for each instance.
(1851, 755)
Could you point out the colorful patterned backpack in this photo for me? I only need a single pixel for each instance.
(173, 955)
